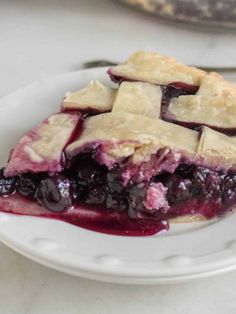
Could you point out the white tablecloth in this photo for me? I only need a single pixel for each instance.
(42, 38)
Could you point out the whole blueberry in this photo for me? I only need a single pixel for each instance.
(229, 188)
(119, 203)
(185, 170)
(28, 184)
(178, 189)
(114, 185)
(54, 193)
(136, 195)
(89, 175)
(207, 182)
(96, 195)
(7, 185)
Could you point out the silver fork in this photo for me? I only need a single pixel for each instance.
(104, 63)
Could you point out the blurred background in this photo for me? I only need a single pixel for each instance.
(41, 38)
(219, 13)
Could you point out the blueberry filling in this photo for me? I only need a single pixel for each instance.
(87, 182)
(28, 184)
(179, 189)
(8, 186)
(229, 189)
(54, 193)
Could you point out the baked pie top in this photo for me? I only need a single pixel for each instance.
(156, 69)
(213, 84)
(41, 148)
(135, 126)
(219, 148)
(140, 98)
(218, 112)
(120, 135)
(95, 96)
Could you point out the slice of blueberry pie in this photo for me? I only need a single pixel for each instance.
(160, 147)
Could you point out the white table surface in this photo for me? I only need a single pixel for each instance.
(42, 38)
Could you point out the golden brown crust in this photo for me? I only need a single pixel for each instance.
(213, 84)
(155, 68)
(209, 110)
(217, 147)
(139, 98)
(139, 136)
(95, 96)
(131, 134)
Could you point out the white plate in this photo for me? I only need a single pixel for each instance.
(187, 251)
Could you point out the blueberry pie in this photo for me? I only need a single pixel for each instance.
(159, 147)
